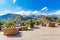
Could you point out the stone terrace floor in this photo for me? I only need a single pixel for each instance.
(40, 33)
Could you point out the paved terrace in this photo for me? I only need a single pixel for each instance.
(41, 33)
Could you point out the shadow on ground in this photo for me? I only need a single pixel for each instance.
(0, 30)
(36, 27)
(17, 35)
(30, 29)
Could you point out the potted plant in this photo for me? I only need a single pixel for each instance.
(58, 20)
(1, 25)
(8, 24)
(43, 23)
(25, 27)
(51, 24)
(10, 29)
(37, 22)
(31, 23)
(22, 23)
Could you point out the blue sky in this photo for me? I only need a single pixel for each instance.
(30, 6)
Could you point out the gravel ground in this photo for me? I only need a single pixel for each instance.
(38, 33)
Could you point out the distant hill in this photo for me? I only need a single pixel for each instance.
(48, 18)
(15, 17)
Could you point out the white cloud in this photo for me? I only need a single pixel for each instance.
(44, 9)
(23, 12)
(36, 12)
(27, 12)
(5, 12)
(55, 13)
(14, 1)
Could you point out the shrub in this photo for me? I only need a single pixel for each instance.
(37, 22)
(1, 24)
(31, 23)
(22, 23)
(58, 20)
(9, 24)
(24, 27)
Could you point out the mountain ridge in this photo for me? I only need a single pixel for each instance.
(12, 17)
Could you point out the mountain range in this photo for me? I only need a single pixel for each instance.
(13, 17)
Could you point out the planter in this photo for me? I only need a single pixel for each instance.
(51, 24)
(58, 23)
(43, 24)
(31, 26)
(24, 28)
(0, 28)
(10, 31)
(20, 29)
